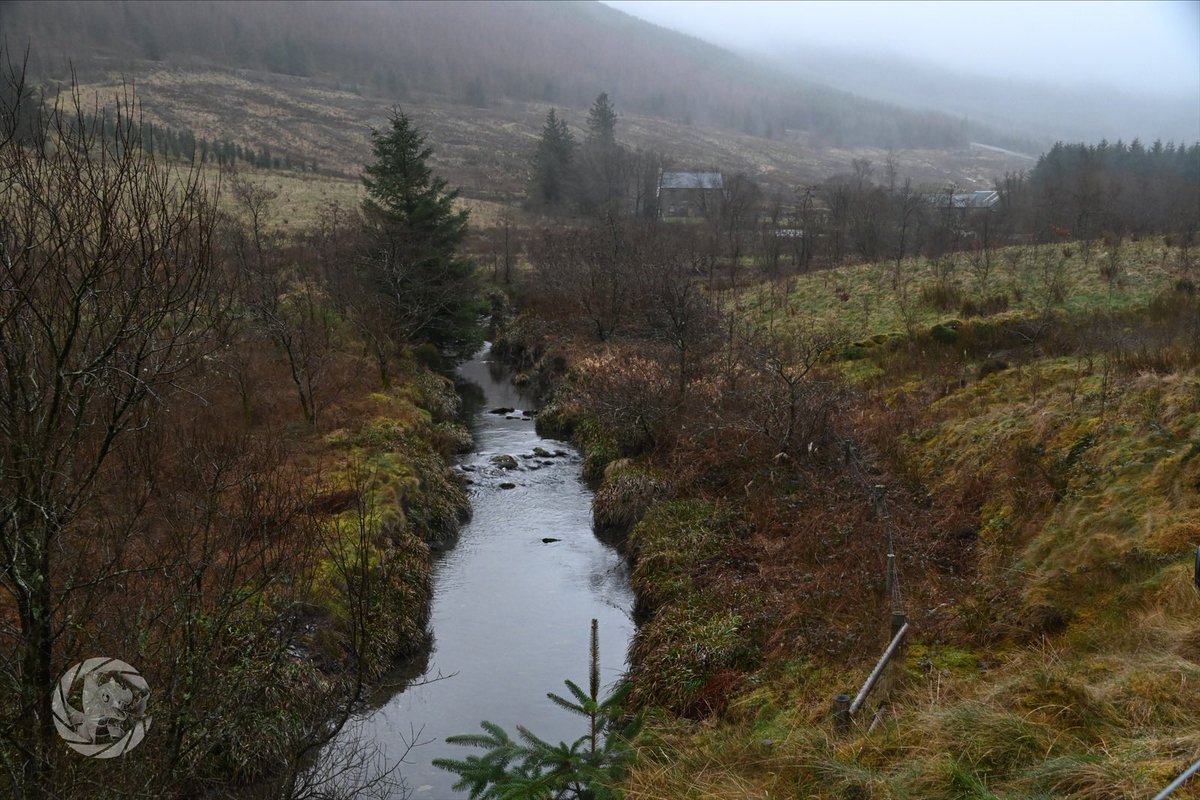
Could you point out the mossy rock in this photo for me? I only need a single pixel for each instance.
(505, 461)
(946, 332)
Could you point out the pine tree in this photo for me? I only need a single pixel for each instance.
(414, 233)
(600, 169)
(590, 768)
(553, 163)
(602, 121)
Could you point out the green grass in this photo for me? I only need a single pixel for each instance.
(1073, 667)
(863, 300)
(411, 501)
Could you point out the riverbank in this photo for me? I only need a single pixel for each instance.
(1036, 497)
(512, 599)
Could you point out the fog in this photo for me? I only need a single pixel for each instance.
(1131, 45)
(1047, 70)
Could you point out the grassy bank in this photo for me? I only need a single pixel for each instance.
(1038, 435)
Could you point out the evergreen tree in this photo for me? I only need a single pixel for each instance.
(600, 170)
(602, 121)
(553, 163)
(530, 768)
(414, 233)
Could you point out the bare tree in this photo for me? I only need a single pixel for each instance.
(788, 408)
(803, 250)
(771, 237)
(291, 307)
(676, 307)
(645, 168)
(591, 271)
(335, 244)
(740, 198)
(907, 205)
(107, 304)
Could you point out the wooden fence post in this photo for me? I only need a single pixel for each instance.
(877, 500)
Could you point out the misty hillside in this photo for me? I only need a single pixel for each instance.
(1043, 112)
(474, 54)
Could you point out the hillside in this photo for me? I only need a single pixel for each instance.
(1039, 112)
(830, 406)
(1039, 469)
(485, 152)
(475, 53)
(1050, 533)
(310, 81)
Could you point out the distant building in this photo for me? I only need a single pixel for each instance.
(971, 201)
(688, 194)
(965, 212)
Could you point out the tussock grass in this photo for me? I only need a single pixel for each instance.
(625, 496)
(1066, 664)
(388, 457)
(1055, 726)
(670, 544)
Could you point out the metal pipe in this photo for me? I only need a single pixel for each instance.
(1182, 779)
(875, 673)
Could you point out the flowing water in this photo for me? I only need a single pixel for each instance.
(511, 614)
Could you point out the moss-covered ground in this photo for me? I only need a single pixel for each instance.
(403, 502)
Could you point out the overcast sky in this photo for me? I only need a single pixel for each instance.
(1132, 45)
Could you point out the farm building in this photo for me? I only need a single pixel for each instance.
(688, 194)
(972, 201)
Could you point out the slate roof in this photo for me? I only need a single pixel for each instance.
(690, 180)
(982, 199)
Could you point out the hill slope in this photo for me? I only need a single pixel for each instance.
(477, 53)
(1021, 109)
(310, 80)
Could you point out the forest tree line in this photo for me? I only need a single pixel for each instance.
(871, 212)
(182, 144)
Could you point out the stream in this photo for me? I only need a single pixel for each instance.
(510, 614)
